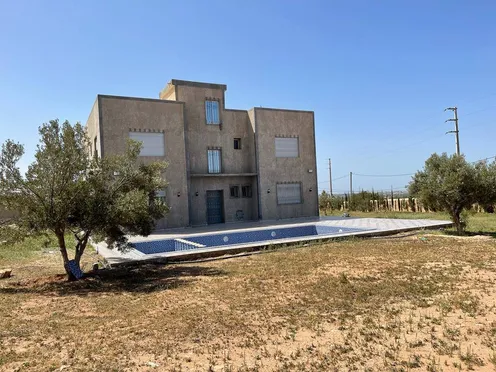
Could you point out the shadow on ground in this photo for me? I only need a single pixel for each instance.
(141, 279)
(491, 234)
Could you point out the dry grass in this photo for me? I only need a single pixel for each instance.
(380, 304)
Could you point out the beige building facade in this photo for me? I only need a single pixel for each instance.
(225, 165)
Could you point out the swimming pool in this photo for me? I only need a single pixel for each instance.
(236, 238)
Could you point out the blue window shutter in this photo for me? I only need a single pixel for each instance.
(212, 112)
(214, 161)
(208, 112)
(215, 109)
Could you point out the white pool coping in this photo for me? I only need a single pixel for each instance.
(369, 227)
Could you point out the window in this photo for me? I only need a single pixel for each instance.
(246, 191)
(212, 112)
(160, 196)
(152, 143)
(234, 191)
(288, 193)
(286, 147)
(237, 144)
(214, 161)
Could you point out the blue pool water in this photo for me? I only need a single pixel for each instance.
(233, 238)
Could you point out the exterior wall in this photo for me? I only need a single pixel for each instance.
(169, 93)
(231, 205)
(234, 124)
(120, 114)
(93, 128)
(200, 136)
(271, 170)
(180, 114)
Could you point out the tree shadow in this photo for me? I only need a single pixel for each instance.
(491, 234)
(145, 278)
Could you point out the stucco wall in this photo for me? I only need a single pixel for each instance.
(180, 113)
(93, 128)
(269, 124)
(235, 124)
(120, 114)
(231, 205)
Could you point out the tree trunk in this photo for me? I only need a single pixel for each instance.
(81, 246)
(455, 215)
(65, 256)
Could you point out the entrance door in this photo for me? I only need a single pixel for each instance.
(215, 210)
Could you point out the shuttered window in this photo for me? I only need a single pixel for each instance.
(214, 161)
(286, 147)
(288, 193)
(212, 112)
(152, 143)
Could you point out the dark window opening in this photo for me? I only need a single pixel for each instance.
(246, 191)
(234, 191)
(237, 143)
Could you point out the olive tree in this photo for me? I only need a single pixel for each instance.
(66, 191)
(449, 183)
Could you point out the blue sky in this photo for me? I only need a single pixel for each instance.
(378, 74)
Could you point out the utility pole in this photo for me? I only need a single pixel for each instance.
(351, 184)
(330, 177)
(392, 198)
(456, 131)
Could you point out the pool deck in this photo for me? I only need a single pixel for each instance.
(369, 226)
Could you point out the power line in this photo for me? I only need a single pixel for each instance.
(477, 161)
(384, 175)
(334, 179)
(425, 130)
(339, 178)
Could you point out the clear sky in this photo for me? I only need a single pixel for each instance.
(378, 74)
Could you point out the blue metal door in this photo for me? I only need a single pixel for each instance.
(215, 210)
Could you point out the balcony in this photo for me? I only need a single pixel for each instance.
(223, 174)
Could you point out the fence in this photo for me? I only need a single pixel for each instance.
(394, 205)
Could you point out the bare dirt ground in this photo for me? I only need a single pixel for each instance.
(413, 303)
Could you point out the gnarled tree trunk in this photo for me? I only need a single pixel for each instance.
(65, 257)
(455, 216)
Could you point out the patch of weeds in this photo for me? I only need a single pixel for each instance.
(414, 362)
(433, 366)
(452, 334)
(444, 347)
(471, 359)
(468, 303)
(416, 343)
(492, 358)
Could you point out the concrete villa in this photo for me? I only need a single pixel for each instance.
(225, 165)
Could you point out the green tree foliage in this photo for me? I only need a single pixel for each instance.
(328, 202)
(66, 191)
(487, 190)
(452, 184)
(324, 200)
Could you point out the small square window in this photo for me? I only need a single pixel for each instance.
(234, 190)
(246, 191)
(237, 144)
